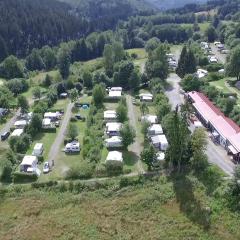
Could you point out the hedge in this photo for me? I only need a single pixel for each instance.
(19, 177)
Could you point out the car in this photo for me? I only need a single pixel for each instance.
(57, 123)
(5, 135)
(46, 167)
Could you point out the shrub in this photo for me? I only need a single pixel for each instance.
(215, 67)
(19, 177)
(40, 158)
(83, 171)
(214, 76)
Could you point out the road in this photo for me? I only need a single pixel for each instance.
(55, 148)
(221, 57)
(136, 147)
(216, 154)
(10, 123)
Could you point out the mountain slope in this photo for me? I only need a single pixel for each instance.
(168, 4)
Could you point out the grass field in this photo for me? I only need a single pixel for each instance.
(220, 85)
(169, 208)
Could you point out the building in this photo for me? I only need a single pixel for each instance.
(17, 133)
(29, 164)
(110, 115)
(223, 130)
(115, 94)
(114, 158)
(160, 142)
(155, 129)
(114, 142)
(146, 97)
(72, 147)
(20, 124)
(152, 119)
(38, 149)
(113, 128)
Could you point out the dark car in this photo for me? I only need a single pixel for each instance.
(5, 135)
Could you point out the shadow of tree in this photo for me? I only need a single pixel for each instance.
(189, 204)
(130, 158)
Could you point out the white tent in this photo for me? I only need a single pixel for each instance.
(160, 142)
(72, 147)
(114, 141)
(110, 115)
(152, 119)
(17, 133)
(38, 149)
(28, 162)
(114, 157)
(113, 128)
(147, 97)
(20, 124)
(155, 129)
(115, 94)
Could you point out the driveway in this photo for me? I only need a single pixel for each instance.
(55, 148)
(136, 147)
(10, 123)
(221, 57)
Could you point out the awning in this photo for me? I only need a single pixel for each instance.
(232, 149)
(215, 134)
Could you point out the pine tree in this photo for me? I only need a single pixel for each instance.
(181, 63)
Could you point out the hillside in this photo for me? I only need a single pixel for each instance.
(168, 4)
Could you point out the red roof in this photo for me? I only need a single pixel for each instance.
(224, 125)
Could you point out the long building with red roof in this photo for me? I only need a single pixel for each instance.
(224, 131)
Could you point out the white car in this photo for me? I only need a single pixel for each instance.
(46, 167)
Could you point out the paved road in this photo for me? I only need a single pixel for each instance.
(10, 123)
(216, 154)
(173, 93)
(55, 148)
(221, 57)
(136, 147)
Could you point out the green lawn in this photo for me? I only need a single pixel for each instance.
(141, 53)
(220, 85)
(39, 77)
(204, 26)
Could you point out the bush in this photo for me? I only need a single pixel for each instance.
(73, 119)
(100, 170)
(40, 158)
(214, 76)
(83, 171)
(215, 67)
(49, 130)
(44, 184)
(19, 177)
(113, 170)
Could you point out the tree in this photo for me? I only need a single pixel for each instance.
(80, 51)
(122, 113)
(99, 94)
(152, 44)
(211, 34)
(64, 62)
(179, 137)
(12, 68)
(6, 97)
(199, 145)
(47, 81)
(49, 57)
(34, 61)
(87, 79)
(233, 67)
(35, 126)
(4, 50)
(108, 59)
(163, 109)
(118, 51)
(128, 135)
(180, 70)
(72, 131)
(134, 80)
(190, 83)
(37, 93)
(23, 104)
(148, 156)
(144, 108)
(73, 95)
(187, 63)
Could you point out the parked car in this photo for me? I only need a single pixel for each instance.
(5, 135)
(57, 123)
(79, 117)
(46, 167)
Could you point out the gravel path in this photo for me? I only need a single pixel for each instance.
(136, 147)
(9, 123)
(52, 155)
(221, 57)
